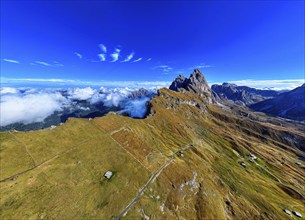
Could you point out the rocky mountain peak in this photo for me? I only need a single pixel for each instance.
(197, 74)
(195, 83)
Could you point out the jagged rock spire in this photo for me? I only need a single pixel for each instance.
(195, 83)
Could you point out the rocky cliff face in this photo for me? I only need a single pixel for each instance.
(196, 83)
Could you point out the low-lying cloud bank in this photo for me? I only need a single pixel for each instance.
(30, 105)
(29, 108)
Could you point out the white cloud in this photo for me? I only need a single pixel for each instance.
(103, 48)
(285, 84)
(102, 57)
(201, 66)
(129, 57)
(137, 60)
(119, 97)
(57, 64)
(149, 59)
(112, 99)
(30, 105)
(54, 64)
(164, 68)
(42, 63)
(10, 61)
(78, 55)
(8, 90)
(136, 107)
(81, 93)
(115, 55)
(29, 108)
(109, 96)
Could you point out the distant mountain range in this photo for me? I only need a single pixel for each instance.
(243, 95)
(287, 105)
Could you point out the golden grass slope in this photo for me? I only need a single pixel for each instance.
(58, 173)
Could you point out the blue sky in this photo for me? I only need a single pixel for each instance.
(90, 40)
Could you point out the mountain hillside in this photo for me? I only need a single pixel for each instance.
(188, 159)
(287, 105)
